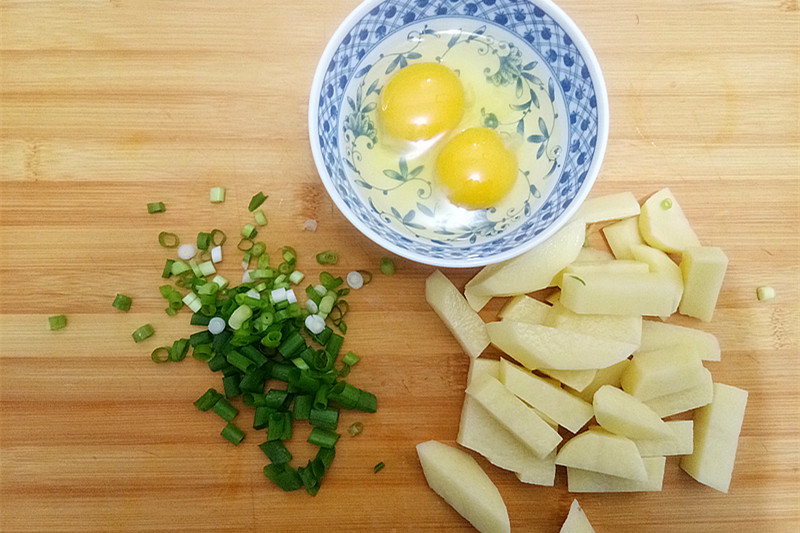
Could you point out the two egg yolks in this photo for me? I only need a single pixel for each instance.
(426, 99)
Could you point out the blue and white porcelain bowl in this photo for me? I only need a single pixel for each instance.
(532, 48)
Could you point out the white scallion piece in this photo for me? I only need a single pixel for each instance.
(252, 293)
(355, 280)
(310, 225)
(296, 277)
(278, 295)
(321, 290)
(216, 254)
(312, 306)
(246, 276)
(765, 293)
(315, 324)
(187, 251)
(207, 268)
(216, 325)
(290, 297)
(192, 301)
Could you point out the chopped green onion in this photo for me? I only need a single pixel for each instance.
(245, 245)
(256, 201)
(258, 249)
(238, 317)
(350, 359)
(233, 434)
(579, 279)
(366, 275)
(355, 429)
(324, 418)
(179, 350)
(666, 203)
(289, 255)
(207, 268)
(280, 426)
(327, 258)
(207, 401)
(249, 231)
(156, 207)
(284, 476)
(122, 302)
(276, 451)
(231, 385)
(167, 273)
(218, 237)
(224, 409)
(302, 406)
(378, 467)
(141, 333)
(387, 266)
(168, 240)
(203, 240)
(160, 354)
(260, 218)
(179, 267)
(328, 281)
(217, 195)
(202, 352)
(351, 397)
(220, 281)
(323, 438)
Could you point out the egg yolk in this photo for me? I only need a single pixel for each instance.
(476, 168)
(421, 101)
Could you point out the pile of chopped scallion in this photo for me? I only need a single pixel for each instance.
(279, 356)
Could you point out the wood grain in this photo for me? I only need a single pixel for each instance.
(105, 106)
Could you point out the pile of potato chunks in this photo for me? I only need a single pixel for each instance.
(586, 354)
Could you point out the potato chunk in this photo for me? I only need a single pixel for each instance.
(623, 414)
(663, 224)
(657, 335)
(585, 481)
(703, 270)
(597, 450)
(462, 321)
(622, 235)
(576, 521)
(716, 437)
(661, 372)
(455, 476)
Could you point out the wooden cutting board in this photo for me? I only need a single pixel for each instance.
(106, 106)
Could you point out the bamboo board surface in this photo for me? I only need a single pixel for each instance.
(105, 106)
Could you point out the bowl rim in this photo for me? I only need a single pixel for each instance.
(601, 94)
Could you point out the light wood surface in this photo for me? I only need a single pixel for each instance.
(105, 106)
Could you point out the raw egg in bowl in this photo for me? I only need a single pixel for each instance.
(455, 133)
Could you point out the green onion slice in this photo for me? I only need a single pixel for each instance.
(256, 201)
(168, 240)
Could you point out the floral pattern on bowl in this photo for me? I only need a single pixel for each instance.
(561, 75)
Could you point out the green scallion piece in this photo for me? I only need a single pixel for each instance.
(225, 410)
(378, 467)
(168, 240)
(240, 361)
(167, 273)
(289, 255)
(260, 218)
(328, 281)
(261, 417)
(387, 266)
(203, 240)
(156, 207)
(280, 426)
(233, 434)
(310, 480)
(366, 275)
(207, 401)
(325, 457)
(276, 451)
(284, 476)
(356, 428)
(334, 344)
(245, 245)
(218, 237)
(324, 418)
(302, 406)
(160, 354)
(217, 195)
(231, 385)
(179, 350)
(350, 359)
(256, 201)
(203, 352)
(254, 399)
(275, 398)
(258, 249)
(323, 438)
(249, 231)
(122, 302)
(327, 258)
(141, 333)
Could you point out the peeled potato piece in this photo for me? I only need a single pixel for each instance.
(703, 270)
(622, 235)
(576, 521)
(585, 481)
(657, 335)
(623, 414)
(455, 476)
(716, 437)
(663, 224)
(533, 269)
(465, 324)
(609, 207)
(600, 451)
